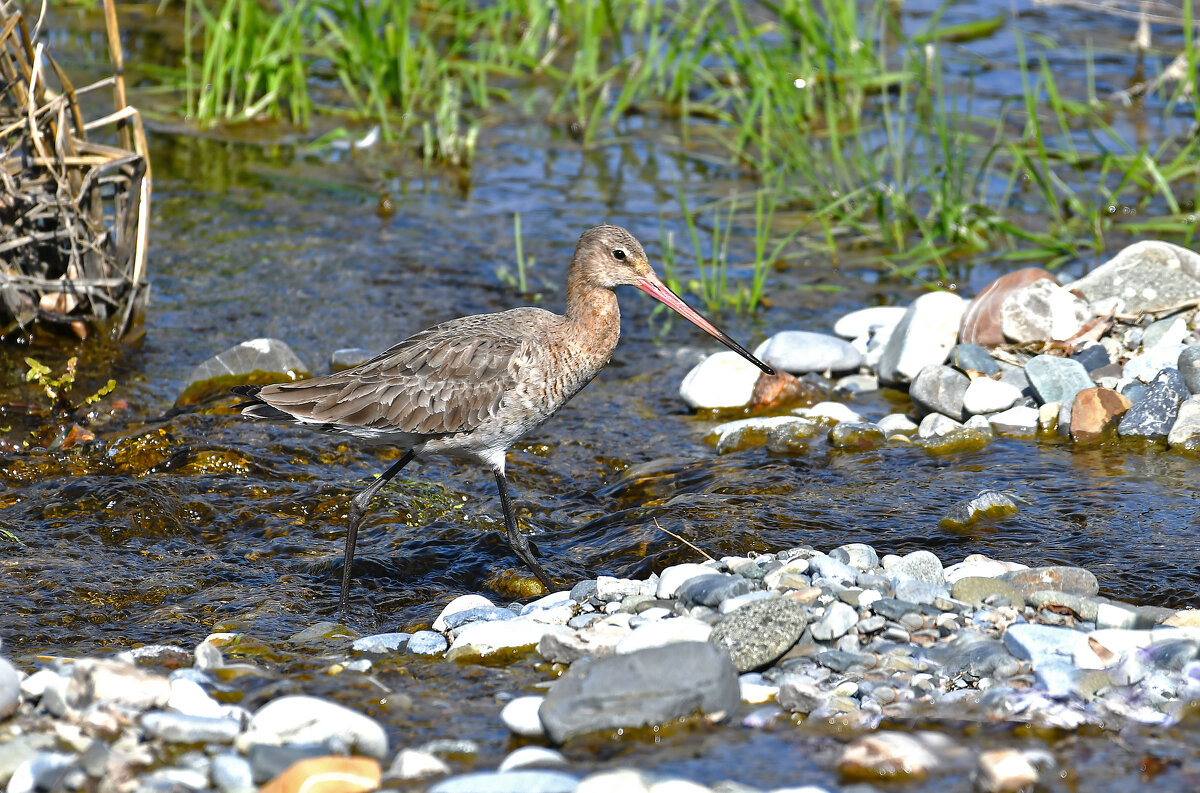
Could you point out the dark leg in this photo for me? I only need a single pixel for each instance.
(358, 508)
(518, 541)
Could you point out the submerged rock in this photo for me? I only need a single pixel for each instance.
(988, 504)
(256, 361)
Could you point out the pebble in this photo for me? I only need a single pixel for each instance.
(1185, 432)
(412, 764)
(672, 578)
(1189, 366)
(311, 720)
(182, 728)
(1148, 276)
(936, 425)
(940, 389)
(232, 774)
(722, 380)
(988, 504)
(481, 639)
(509, 782)
(734, 436)
(985, 395)
(856, 555)
(921, 565)
(663, 632)
(1094, 411)
(43, 771)
(532, 756)
(897, 423)
(427, 643)
(799, 352)
(711, 589)
(1153, 416)
(1019, 420)
(924, 336)
(381, 643)
(973, 360)
(10, 689)
(520, 716)
(460, 603)
(838, 619)
(1055, 379)
(831, 412)
(1042, 311)
(249, 357)
(867, 320)
(760, 632)
(856, 435)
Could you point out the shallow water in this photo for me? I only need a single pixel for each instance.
(173, 526)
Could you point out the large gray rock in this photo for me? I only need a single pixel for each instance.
(800, 352)
(256, 356)
(1155, 414)
(647, 687)
(923, 337)
(759, 632)
(1042, 311)
(1055, 379)
(940, 389)
(1148, 276)
(1185, 432)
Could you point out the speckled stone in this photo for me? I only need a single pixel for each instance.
(760, 632)
(1075, 580)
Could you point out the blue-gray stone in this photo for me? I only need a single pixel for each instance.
(184, 728)
(1092, 357)
(644, 687)
(1173, 653)
(973, 358)
(479, 614)
(840, 660)
(1146, 366)
(268, 761)
(974, 654)
(427, 643)
(893, 608)
(530, 781)
(1135, 390)
(940, 389)
(710, 590)
(381, 643)
(799, 351)
(1169, 331)
(921, 592)
(838, 619)
(1055, 379)
(1189, 367)
(1153, 416)
(1050, 651)
(822, 566)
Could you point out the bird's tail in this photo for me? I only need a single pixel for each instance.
(255, 408)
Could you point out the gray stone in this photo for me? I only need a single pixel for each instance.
(799, 695)
(896, 424)
(857, 555)
(255, 355)
(976, 589)
(1092, 357)
(182, 728)
(856, 435)
(985, 395)
(519, 781)
(672, 578)
(868, 320)
(96, 681)
(823, 566)
(1062, 578)
(923, 337)
(1050, 651)
(894, 608)
(939, 389)
(978, 656)
(711, 589)
(1042, 311)
(839, 618)
(857, 384)
(647, 687)
(1189, 366)
(936, 425)
(921, 592)
(1082, 607)
(18, 749)
(10, 689)
(973, 358)
(1170, 332)
(1148, 276)
(1154, 416)
(268, 761)
(480, 614)
(1148, 364)
(381, 643)
(921, 565)
(231, 773)
(427, 643)
(988, 504)
(301, 719)
(841, 660)
(1185, 432)
(417, 764)
(799, 352)
(348, 357)
(1055, 379)
(43, 771)
(760, 632)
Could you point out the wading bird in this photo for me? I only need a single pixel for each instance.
(473, 386)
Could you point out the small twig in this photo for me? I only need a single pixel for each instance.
(685, 542)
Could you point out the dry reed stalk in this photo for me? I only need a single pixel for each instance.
(73, 212)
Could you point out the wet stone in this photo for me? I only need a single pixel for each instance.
(672, 578)
(760, 632)
(1055, 379)
(985, 395)
(520, 716)
(988, 504)
(460, 603)
(1095, 409)
(531, 756)
(722, 380)
(1154, 416)
(940, 389)
(822, 566)
(734, 436)
(856, 435)
(1019, 421)
(303, 719)
(968, 358)
(381, 643)
(254, 358)
(646, 687)
(481, 614)
(711, 589)
(893, 608)
(1185, 432)
(427, 643)
(268, 761)
(936, 425)
(798, 352)
(896, 423)
(1167, 332)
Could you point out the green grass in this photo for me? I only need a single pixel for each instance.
(874, 141)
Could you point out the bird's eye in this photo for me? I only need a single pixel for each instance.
(619, 254)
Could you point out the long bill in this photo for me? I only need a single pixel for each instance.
(659, 291)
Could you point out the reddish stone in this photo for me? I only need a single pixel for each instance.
(981, 321)
(1093, 410)
(782, 389)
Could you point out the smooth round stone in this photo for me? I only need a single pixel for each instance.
(663, 632)
(1185, 432)
(1055, 379)
(858, 555)
(39, 772)
(868, 320)
(182, 728)
(856, 435)
(857, 383)
(722, 380)
(347, 357)
(487, 638)
(310, 720)
(823, 566)
(231, 773)
(1019, 420)
(1169, 332)
(985, 395)
(460, 603)
(838, 619)
(936, 425)
(675, 576)
(417, 764)
(799, 352)
(758, 633)
(711, 589)
(381, 643)
(10, 689)
(427, 643)
(939, 389)
(834, 412)
(520, 716)
(532, 756)
(554, 600)
(896, 423)
(508, 782)
(924, 336)
(1062, 578)
(972, 358)
(483, 614)
(988, 504)
(921, 565)
(921, 592)
(1145, 366)
(1189, 366)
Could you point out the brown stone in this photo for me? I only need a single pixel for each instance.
(782, 389)
(327, 775)
(981, 321)
(1094, 410)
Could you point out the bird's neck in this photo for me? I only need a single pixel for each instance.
(593, 314)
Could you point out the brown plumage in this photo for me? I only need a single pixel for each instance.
(473, 386)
